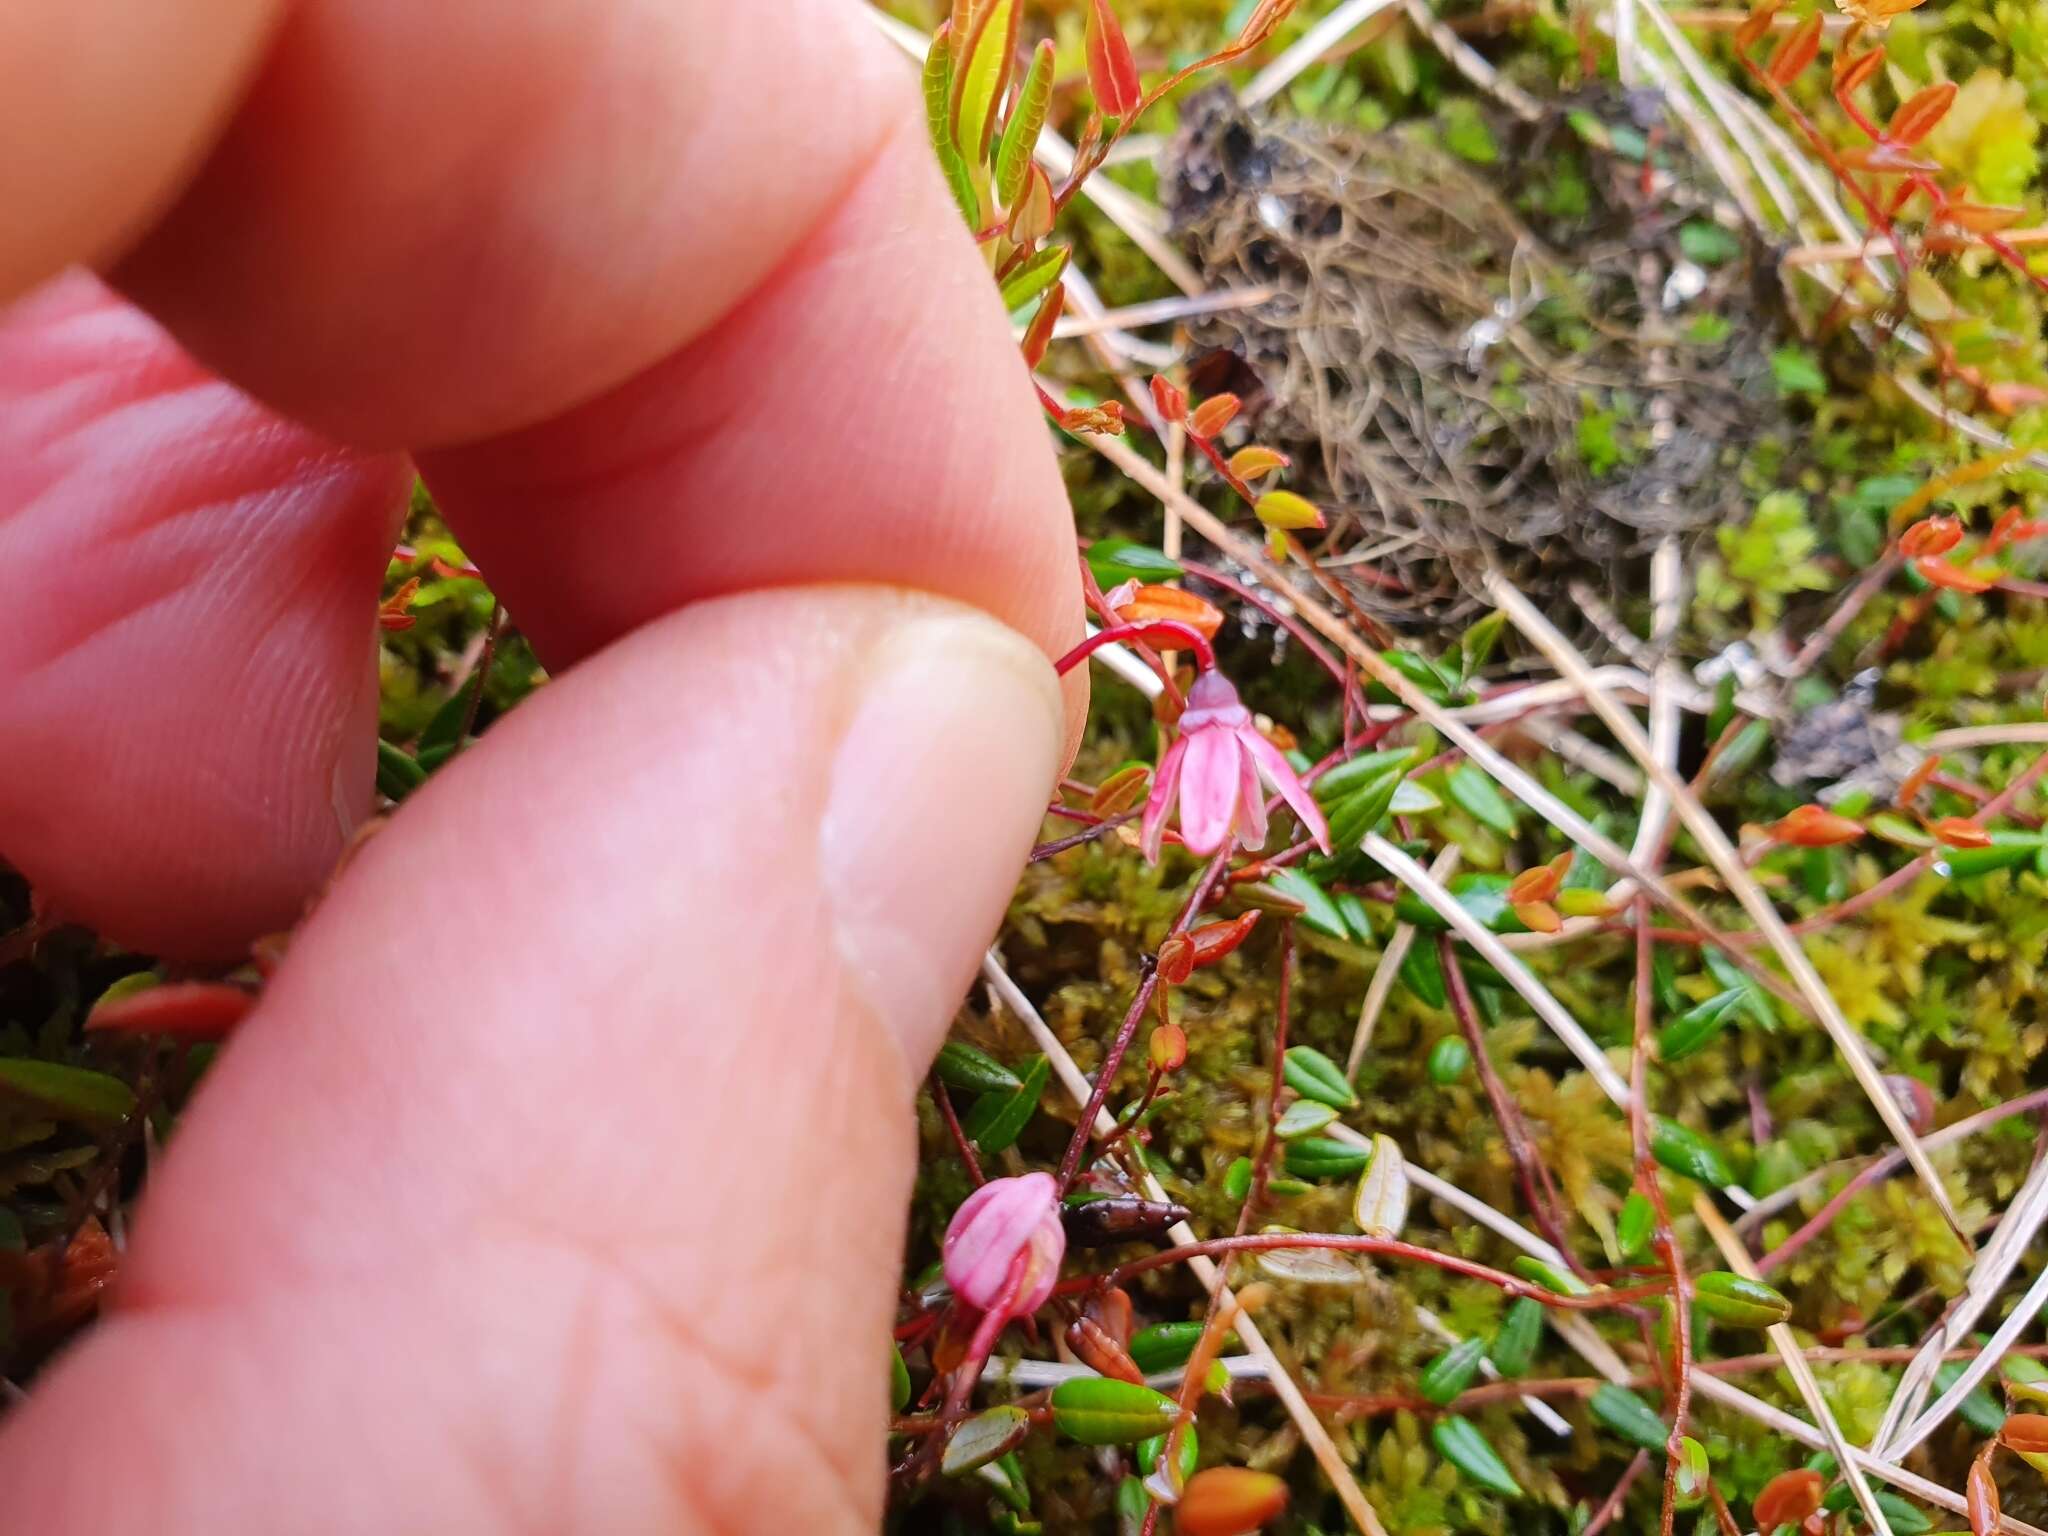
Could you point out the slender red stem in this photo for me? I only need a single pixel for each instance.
(1185, 638)
(944, 1100)
(1070, 1161)
(1537, 1188)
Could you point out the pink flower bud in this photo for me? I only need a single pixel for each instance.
(1001, 1222)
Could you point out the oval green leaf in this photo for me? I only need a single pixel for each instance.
(1739, 1302)
(1096, 1410)
(1302, 1117)
(1629, 1417)
(998, 1119)
(1459, 1442)
(1638, 1221)
(1693, 1030)
(1452, 1371)
(1449, 1060)
(1314, 1076)
(983, 1438)
(70, 1093)
(1687, 1152)
(963, 1066)
(1317, 1157)
(1514, 1346)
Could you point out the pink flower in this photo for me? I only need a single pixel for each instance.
(1001, 1223)
(1216, 766)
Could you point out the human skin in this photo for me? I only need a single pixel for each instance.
(556, 1183)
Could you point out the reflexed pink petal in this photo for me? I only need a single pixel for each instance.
(1251, 806)
(1279, 773)
(1210, 780)
(1160, 801)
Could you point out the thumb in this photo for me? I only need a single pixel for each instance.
(558, 1179)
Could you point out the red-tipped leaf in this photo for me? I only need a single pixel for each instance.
(1112, 72)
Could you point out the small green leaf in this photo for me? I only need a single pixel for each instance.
(1756, 1002)
(1638, 1221)
(1905, 1519)
(1724, 707)
(983, 1438)
(899, 1380)
(1132, 1502)
(1482, 893)
(1315, 1157)
(1302, 1117)
(70, 1093)
(1422, 972)
(1413, 799)
(1798, 372)
(1165, 1346)
(1664, 981)
(1694, 1030)
(1020, 133)
(126, 986)
(1148, 1452)
(1691, 1473)
(1115, 561)
(1449, 1060)
(1237, 1179)
(1710, 245)
(962, 1066)
(398, 773)
(1459, 1442)
(1452, 1371)
(444, 732)
(1307, 1266)
(1741, 753)
(1381, 1205)
(985, 65)
(1687, 1152)
(1357, 795)
(2010, 848)
(1314, 1076)
(1629, 1417)
(1097, 1410)
(1550, 1276)
(1479, 797)
(938, 92)
(1738, 1301)
(1318, 911)
(1029, 281)
(1435, 684)
(1514, 1346)
(998, 1119)
(1465, 132)
(1006, 1476)
(1979, 1408)
(1476, 646)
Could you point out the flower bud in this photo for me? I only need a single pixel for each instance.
(1168, 1047)
(1001, 1223)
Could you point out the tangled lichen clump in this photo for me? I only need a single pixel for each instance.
(1461, 389)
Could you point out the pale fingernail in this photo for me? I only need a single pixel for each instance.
(939, 785)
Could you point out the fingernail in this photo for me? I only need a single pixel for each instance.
(939, 785)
